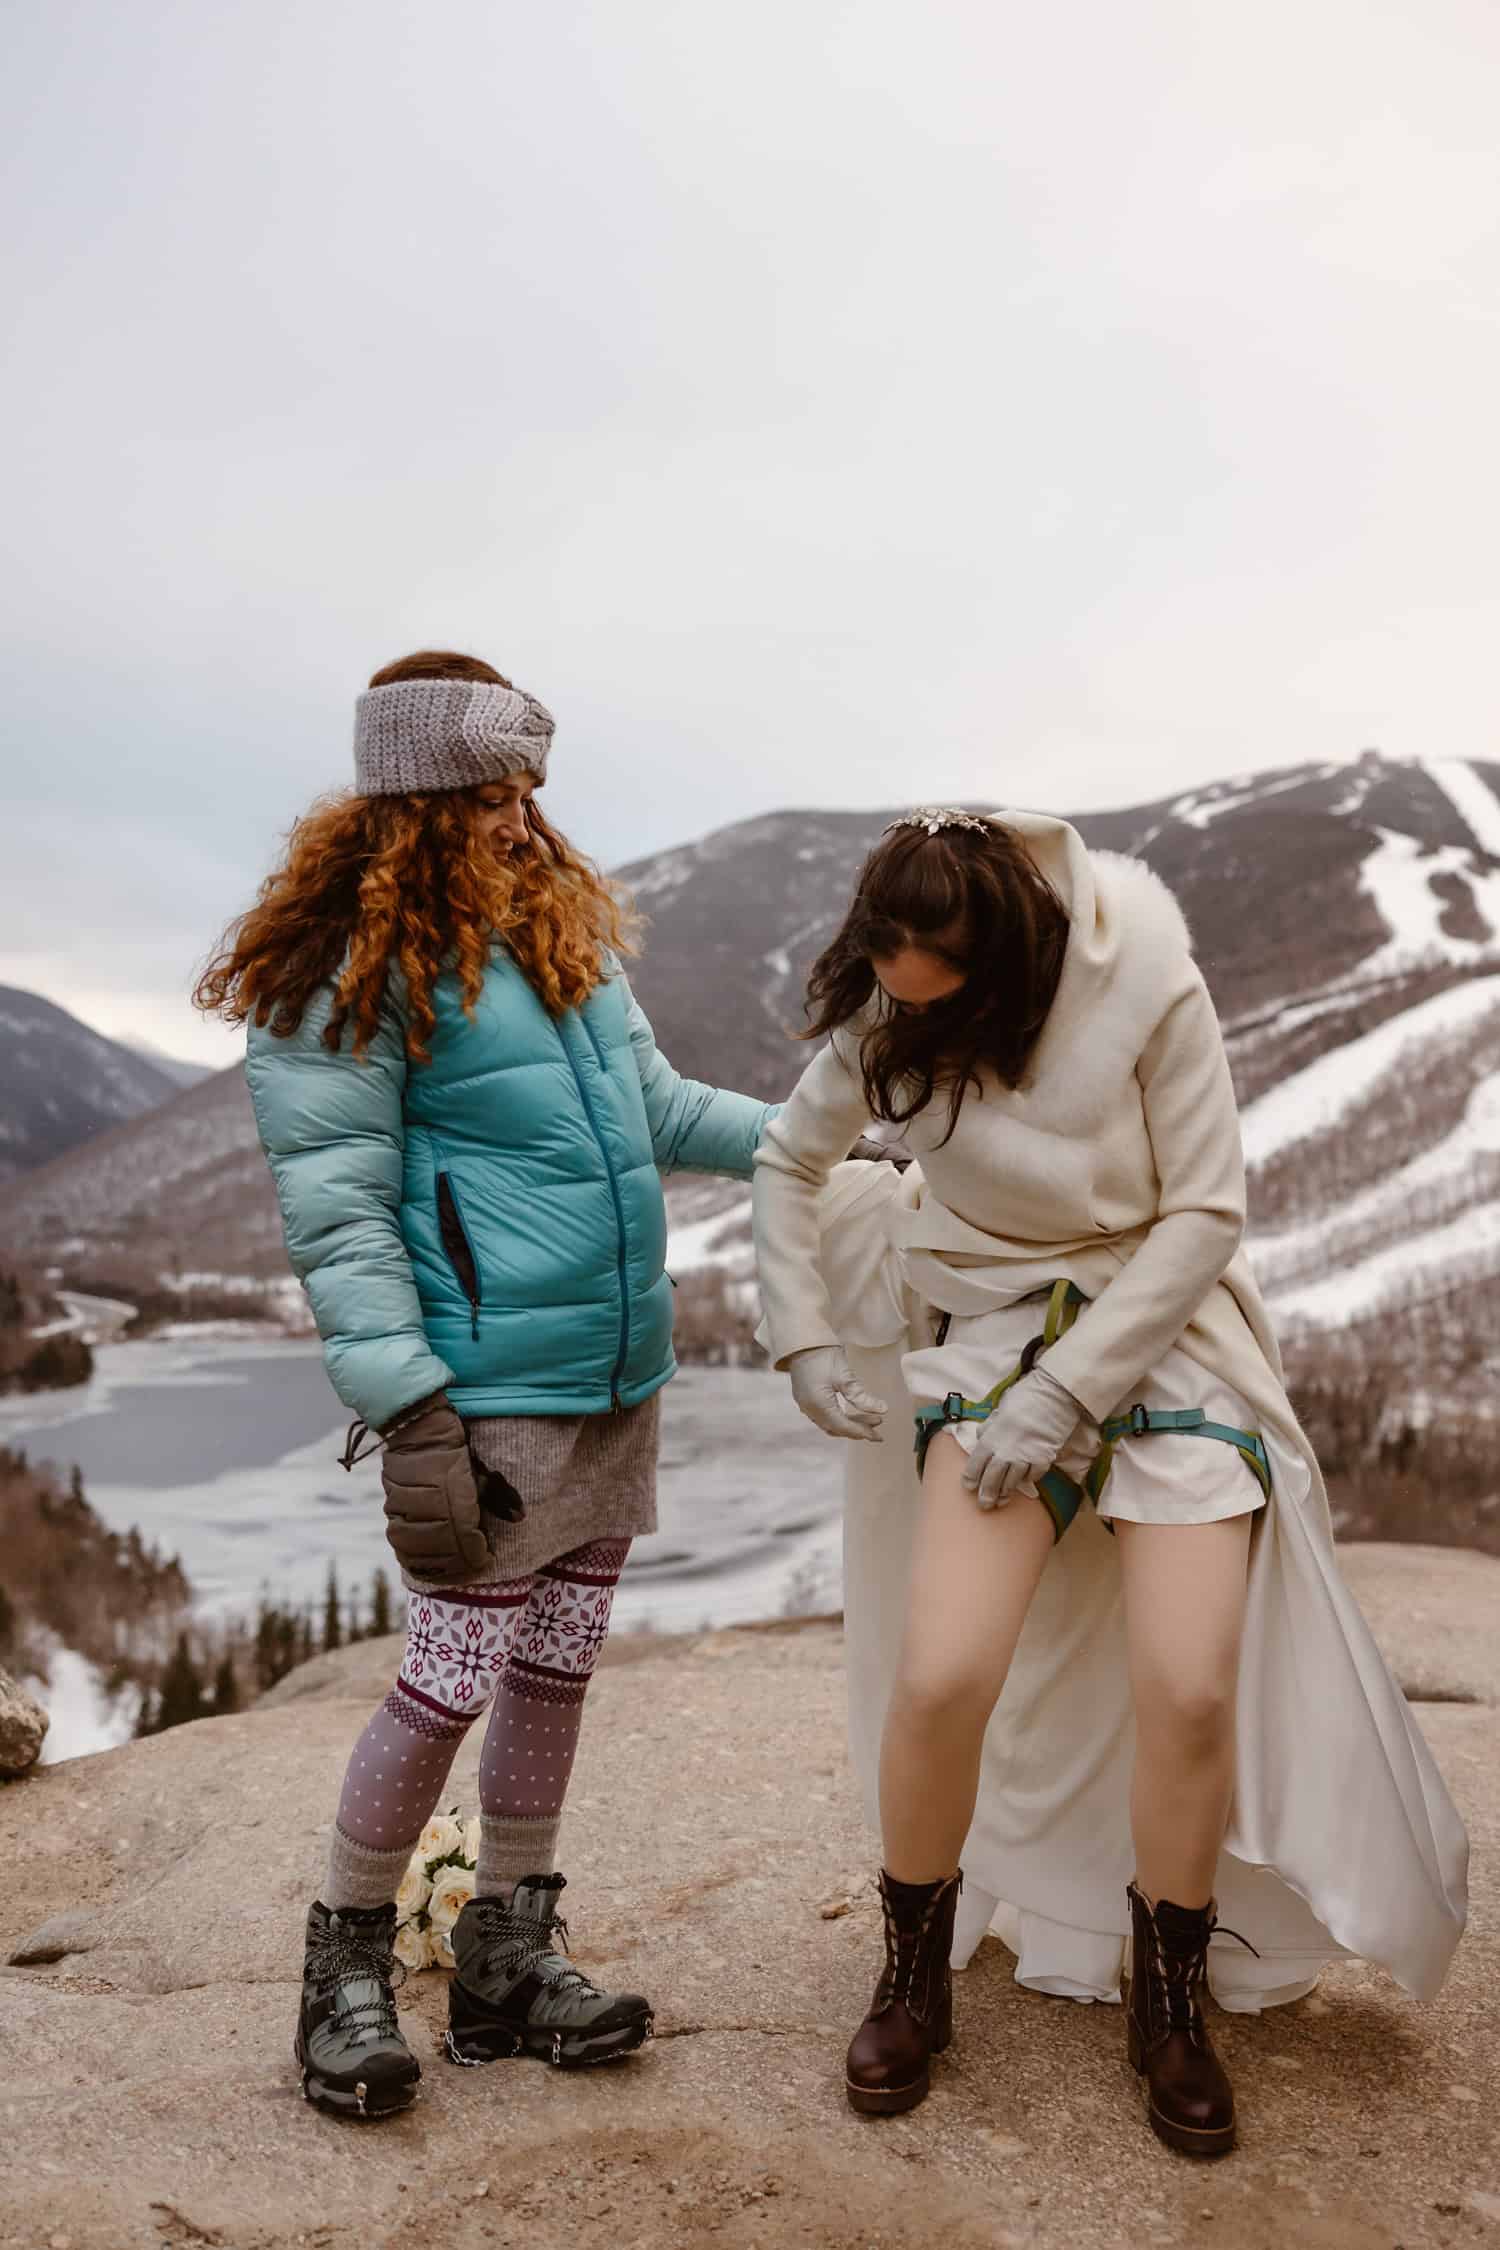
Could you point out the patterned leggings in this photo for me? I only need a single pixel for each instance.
(522, 1649)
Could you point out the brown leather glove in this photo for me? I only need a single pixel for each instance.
(431, 1499)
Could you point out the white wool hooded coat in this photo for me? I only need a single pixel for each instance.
(1117, 1164)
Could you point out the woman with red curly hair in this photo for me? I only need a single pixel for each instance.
(466, 1116)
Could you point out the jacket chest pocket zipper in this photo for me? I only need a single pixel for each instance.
(616, 1403)
(460, 1251)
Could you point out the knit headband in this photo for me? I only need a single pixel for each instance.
(446, 734)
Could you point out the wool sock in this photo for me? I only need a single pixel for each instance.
(526, 1760)
(358, 1876)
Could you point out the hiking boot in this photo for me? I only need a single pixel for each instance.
(355, 2062)
(515, 1994)
(911, 2015)
(1190, 2102)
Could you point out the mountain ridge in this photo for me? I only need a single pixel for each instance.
(62, 1082)
(1346, 916)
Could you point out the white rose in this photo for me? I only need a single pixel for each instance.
(414, 1946)
(441, 1836)
(451, 1893)
(412, 1891)
(471, 1840)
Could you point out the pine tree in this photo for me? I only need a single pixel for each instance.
(267, 1650)
(333, 1631)
(226, 1687)
(380, 1605)
(145, 1720)
(181, 1689)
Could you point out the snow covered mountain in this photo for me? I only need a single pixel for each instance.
(1338, 883)
(182, 1192)
(61, 1083)
(1347, 916)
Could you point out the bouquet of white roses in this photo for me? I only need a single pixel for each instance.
(437, 1885)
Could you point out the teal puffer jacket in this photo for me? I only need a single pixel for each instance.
(492, 1223)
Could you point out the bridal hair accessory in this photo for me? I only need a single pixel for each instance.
(934, 817)
(447, 734)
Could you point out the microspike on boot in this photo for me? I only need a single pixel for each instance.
(514, 1993)
(354, 2059)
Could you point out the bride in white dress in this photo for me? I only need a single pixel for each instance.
(1117, 1521)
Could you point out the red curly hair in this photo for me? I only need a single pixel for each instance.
(372, 883)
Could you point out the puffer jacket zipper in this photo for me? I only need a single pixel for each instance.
(614, 1189)
(459, 1247)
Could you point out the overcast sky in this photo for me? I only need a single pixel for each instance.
(812, 403)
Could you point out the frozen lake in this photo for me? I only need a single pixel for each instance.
(223, 1449)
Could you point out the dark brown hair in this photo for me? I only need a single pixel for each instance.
(372, 884)
(977, 899)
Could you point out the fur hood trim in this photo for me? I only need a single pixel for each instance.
(1137, 893)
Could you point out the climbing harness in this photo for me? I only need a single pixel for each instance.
(1061, 1495)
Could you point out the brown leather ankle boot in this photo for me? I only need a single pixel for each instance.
(1190, 2099)
(911, 2015)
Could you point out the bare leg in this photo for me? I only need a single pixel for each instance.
(973, 1576)
(1184, 1613)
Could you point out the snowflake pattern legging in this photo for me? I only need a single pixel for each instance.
(522, 1649)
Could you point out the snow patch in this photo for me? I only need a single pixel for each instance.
(1397, 875)
(1477, 1134)
(1279, 1021)
(1471, 797)
(239, 1284)
(1310, 1100)
(723, 1239)
(1201, 806)
(1442, 1252)
(97, 1319)
(83, 1716)
(1354, 796)
(668, 873)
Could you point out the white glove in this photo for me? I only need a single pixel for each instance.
(828, 1394)
(1022, 1438)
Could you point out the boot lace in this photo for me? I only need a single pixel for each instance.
(1181, 1976)
(518, 1945)
(342, 1958)
(903, 1950)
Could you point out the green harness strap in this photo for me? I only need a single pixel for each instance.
(1186, 1421)
(1059, 1493)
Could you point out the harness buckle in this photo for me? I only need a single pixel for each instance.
(1028, 1355)
(953, 1407)
(1139, 1420)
